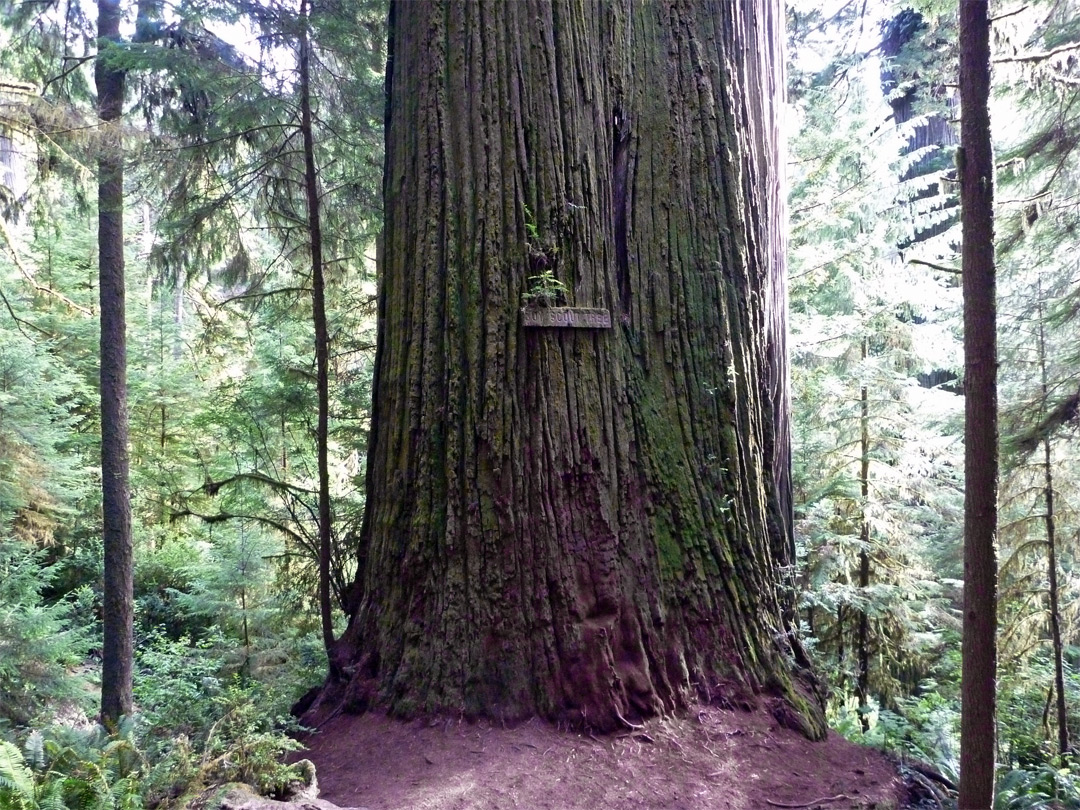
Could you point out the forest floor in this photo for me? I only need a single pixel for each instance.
(715, 759)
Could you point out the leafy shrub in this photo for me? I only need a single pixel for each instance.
(1027, 740)
(926, 727)
(923, 727)
(162, 571)
(245, 746)
(201, 727)
(175, 690)
(1036, 788)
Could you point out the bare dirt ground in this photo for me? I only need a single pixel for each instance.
(715, 759)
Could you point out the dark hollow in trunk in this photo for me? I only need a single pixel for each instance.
(584, 524)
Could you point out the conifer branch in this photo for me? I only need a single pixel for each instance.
(933, 266)
(9, 240)
(1039, 57)
(221, 517)
(21, 322)
(1007, 14)
(232, 136)
(263, 294)
(76, 63)
(212, 487)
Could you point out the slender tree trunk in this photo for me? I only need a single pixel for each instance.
(117, 649)
(976, 170)
(178, 313)
(1051, 559)
(840, 636)
(863, 686)
(1046, 712)
(1055, 609)
(244, 632)
(322, 337)
(580, 523)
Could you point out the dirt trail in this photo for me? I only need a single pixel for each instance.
(716, 759)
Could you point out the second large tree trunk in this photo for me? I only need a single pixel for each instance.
(976, 172)
(579, 523)
(118, 615)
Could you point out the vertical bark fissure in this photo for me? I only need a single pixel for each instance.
(620, 167)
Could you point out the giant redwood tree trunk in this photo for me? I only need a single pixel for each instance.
(579, 523)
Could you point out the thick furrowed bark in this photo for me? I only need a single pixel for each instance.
(577, 523)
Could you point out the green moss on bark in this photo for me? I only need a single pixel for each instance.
(572, 522)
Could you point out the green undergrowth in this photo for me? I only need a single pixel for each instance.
(924, 729)
(146, 764)
(213, 687)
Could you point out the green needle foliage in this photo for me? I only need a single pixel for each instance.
(857, 206)
(876, 459)
(220, 365)
(39, 641)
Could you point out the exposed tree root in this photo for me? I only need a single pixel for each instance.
(810, 803)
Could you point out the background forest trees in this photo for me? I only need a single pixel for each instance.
(223, 378)
(874, 222)
(222, 375)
